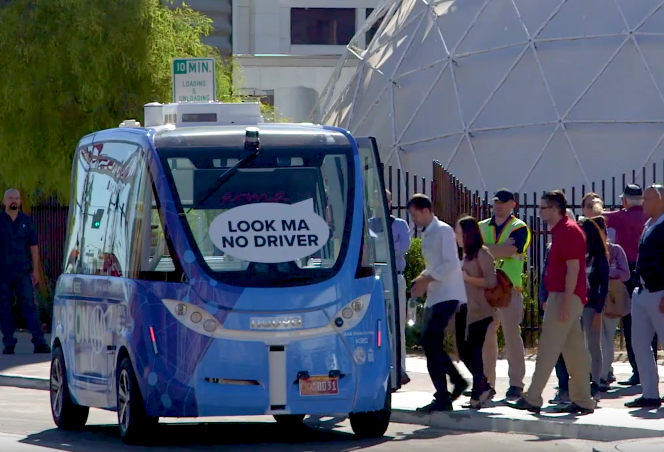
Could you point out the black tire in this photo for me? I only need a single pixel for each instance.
(66, 414)
(372, 424)
(135, 425)
(289, 420)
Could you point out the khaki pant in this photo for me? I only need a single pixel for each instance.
(567, 338)
(510, 318)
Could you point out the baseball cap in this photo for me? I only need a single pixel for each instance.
(632, 190)
(503, 195)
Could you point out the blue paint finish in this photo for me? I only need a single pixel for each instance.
(97, 317)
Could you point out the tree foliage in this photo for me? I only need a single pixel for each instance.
(72, 67)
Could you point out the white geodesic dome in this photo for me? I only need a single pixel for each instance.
(526, 94)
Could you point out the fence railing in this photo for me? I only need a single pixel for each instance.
(452, 199)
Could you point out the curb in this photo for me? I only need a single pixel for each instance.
(42, 384)
(651, 445)
(477, 422)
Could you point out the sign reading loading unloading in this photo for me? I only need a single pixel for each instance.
(194, 80)
(270, 232)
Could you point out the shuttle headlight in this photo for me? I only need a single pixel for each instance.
(351, 314)
(193, 317)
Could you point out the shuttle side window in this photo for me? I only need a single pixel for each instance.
(152, 258)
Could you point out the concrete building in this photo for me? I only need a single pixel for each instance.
(289, 49)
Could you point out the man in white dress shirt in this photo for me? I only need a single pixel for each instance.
(442, 281)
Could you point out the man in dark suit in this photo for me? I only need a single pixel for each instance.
(648, 300)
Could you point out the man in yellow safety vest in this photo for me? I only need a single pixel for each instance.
(507, 238)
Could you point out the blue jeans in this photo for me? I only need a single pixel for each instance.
(18, 285)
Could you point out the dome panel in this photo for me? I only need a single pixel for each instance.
(578, 18)
(385, 58)
(557, 167)
(478, 75)
(465, 167)
(628, 145)
(429, 44)
(498, 150)
(378, 124)
(344, 104)
(654, 23)
(497, 26)
(636, 12)
(446, 121)
(372, 85)
(569, 67)
(523, 110)
(652, 48)
(535, 18)
(455, 19)
(410, 93)
(426, 152)
(623, 92)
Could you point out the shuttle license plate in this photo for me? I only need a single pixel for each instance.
(319, 385)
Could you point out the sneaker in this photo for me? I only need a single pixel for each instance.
(513, 393)
(572, 408)
(560, 398)
(524, 405)
(436, 406)
(642, 402)
(42, 348)
(487, 396)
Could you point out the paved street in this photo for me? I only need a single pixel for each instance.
(26, 426)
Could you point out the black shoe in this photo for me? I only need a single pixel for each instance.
(633, 381)
(594, 391)
(611, 379)
(642, 402)
(524, 405)
(513, 393)
(435, 406)
(405, 379)
(561, 397)
(572, 408)
(42, 348)
(604, 385)
(8, 350)
(459, 388)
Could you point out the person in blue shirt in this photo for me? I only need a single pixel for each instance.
(401, 237)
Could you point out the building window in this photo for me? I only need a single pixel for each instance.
(372, 31)
(322, 26)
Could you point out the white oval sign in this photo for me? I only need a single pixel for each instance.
(270, 232)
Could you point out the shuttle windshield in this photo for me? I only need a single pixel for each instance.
(283, 219)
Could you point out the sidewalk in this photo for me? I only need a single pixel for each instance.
(610, 422)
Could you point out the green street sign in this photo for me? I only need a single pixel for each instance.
(194, 80)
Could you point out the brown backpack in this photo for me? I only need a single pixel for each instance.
(501, 295)
(618, 304)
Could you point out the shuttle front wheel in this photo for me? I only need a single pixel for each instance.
(66, 414)
(372, 424)
(135, 425)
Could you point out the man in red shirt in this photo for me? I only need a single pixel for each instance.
(625, 227)
(561, 330)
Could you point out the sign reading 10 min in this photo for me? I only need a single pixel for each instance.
(194, 80)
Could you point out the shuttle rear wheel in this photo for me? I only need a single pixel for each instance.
(66, 414)
(135, 425)
(372, 424)
(289, 420)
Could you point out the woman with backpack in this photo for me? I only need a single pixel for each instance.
(472, 322)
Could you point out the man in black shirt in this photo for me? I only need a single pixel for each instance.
(19, 266)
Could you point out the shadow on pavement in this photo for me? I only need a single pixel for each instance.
(315, 436)
(23, 354)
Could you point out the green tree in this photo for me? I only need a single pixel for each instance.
(71, 67)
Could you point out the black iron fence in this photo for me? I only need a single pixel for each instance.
(452, 199)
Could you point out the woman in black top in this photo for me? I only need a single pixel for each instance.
(597, 270)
